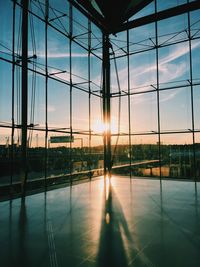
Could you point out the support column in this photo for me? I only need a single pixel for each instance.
(46, 90)
(24, 97)
(106, 105)
(71, 87)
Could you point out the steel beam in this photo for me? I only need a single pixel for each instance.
(24, 96)
(13, 96)
(91, 14)
(106, 105)
(168, 13)
(46, 91)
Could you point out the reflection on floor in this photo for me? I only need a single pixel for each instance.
(105, 224)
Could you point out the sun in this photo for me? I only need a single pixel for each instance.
(101, 127)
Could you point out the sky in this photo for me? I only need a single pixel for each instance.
(174, 70)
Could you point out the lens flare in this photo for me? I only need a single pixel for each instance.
(101, 127)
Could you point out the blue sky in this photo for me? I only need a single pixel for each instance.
(175, 104)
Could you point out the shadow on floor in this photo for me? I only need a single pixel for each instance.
(112, 252)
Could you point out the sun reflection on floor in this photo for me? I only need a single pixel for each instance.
(105, 183)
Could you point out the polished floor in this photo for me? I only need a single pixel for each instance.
(105, 224)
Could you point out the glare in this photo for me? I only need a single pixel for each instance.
(107, 218)
(101, 127)
(105, 183)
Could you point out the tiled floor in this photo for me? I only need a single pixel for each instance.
(122, 223)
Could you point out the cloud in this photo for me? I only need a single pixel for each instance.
(57, 49)
(145, 74)
(61, 55)
(170, 71)
(170, 95)
(178, 52)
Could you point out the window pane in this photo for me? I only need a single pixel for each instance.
(175, 109)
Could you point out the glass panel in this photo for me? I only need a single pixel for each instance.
(58, 105)
(80, 155)
(97, 155)
(145, 157)
(96, 115)
(195, 46)
(119, 117)
(175, 109)
(95, 75)
(58, 55)
(162, 4)
(5, 92)
(6, 11)
(195, 24)
(38, 100)
(59, 156)
(119, 74)
(174, 64)
(37, 41)
(177, 156)
(173, 29)
(121, 155)
(142, 38)
(36, 156)
(196, 92)
(79, 66)
(144, 113)
(119, 45)
(59, 14)
(5, 156)
(149, 9)
(80, 111)
(143, 71)
(80, 28)
(96, 40)
(197, 154)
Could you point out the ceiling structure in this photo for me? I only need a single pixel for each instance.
(114, 16)
(111, 14)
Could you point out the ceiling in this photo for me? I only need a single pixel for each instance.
(111, 13)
